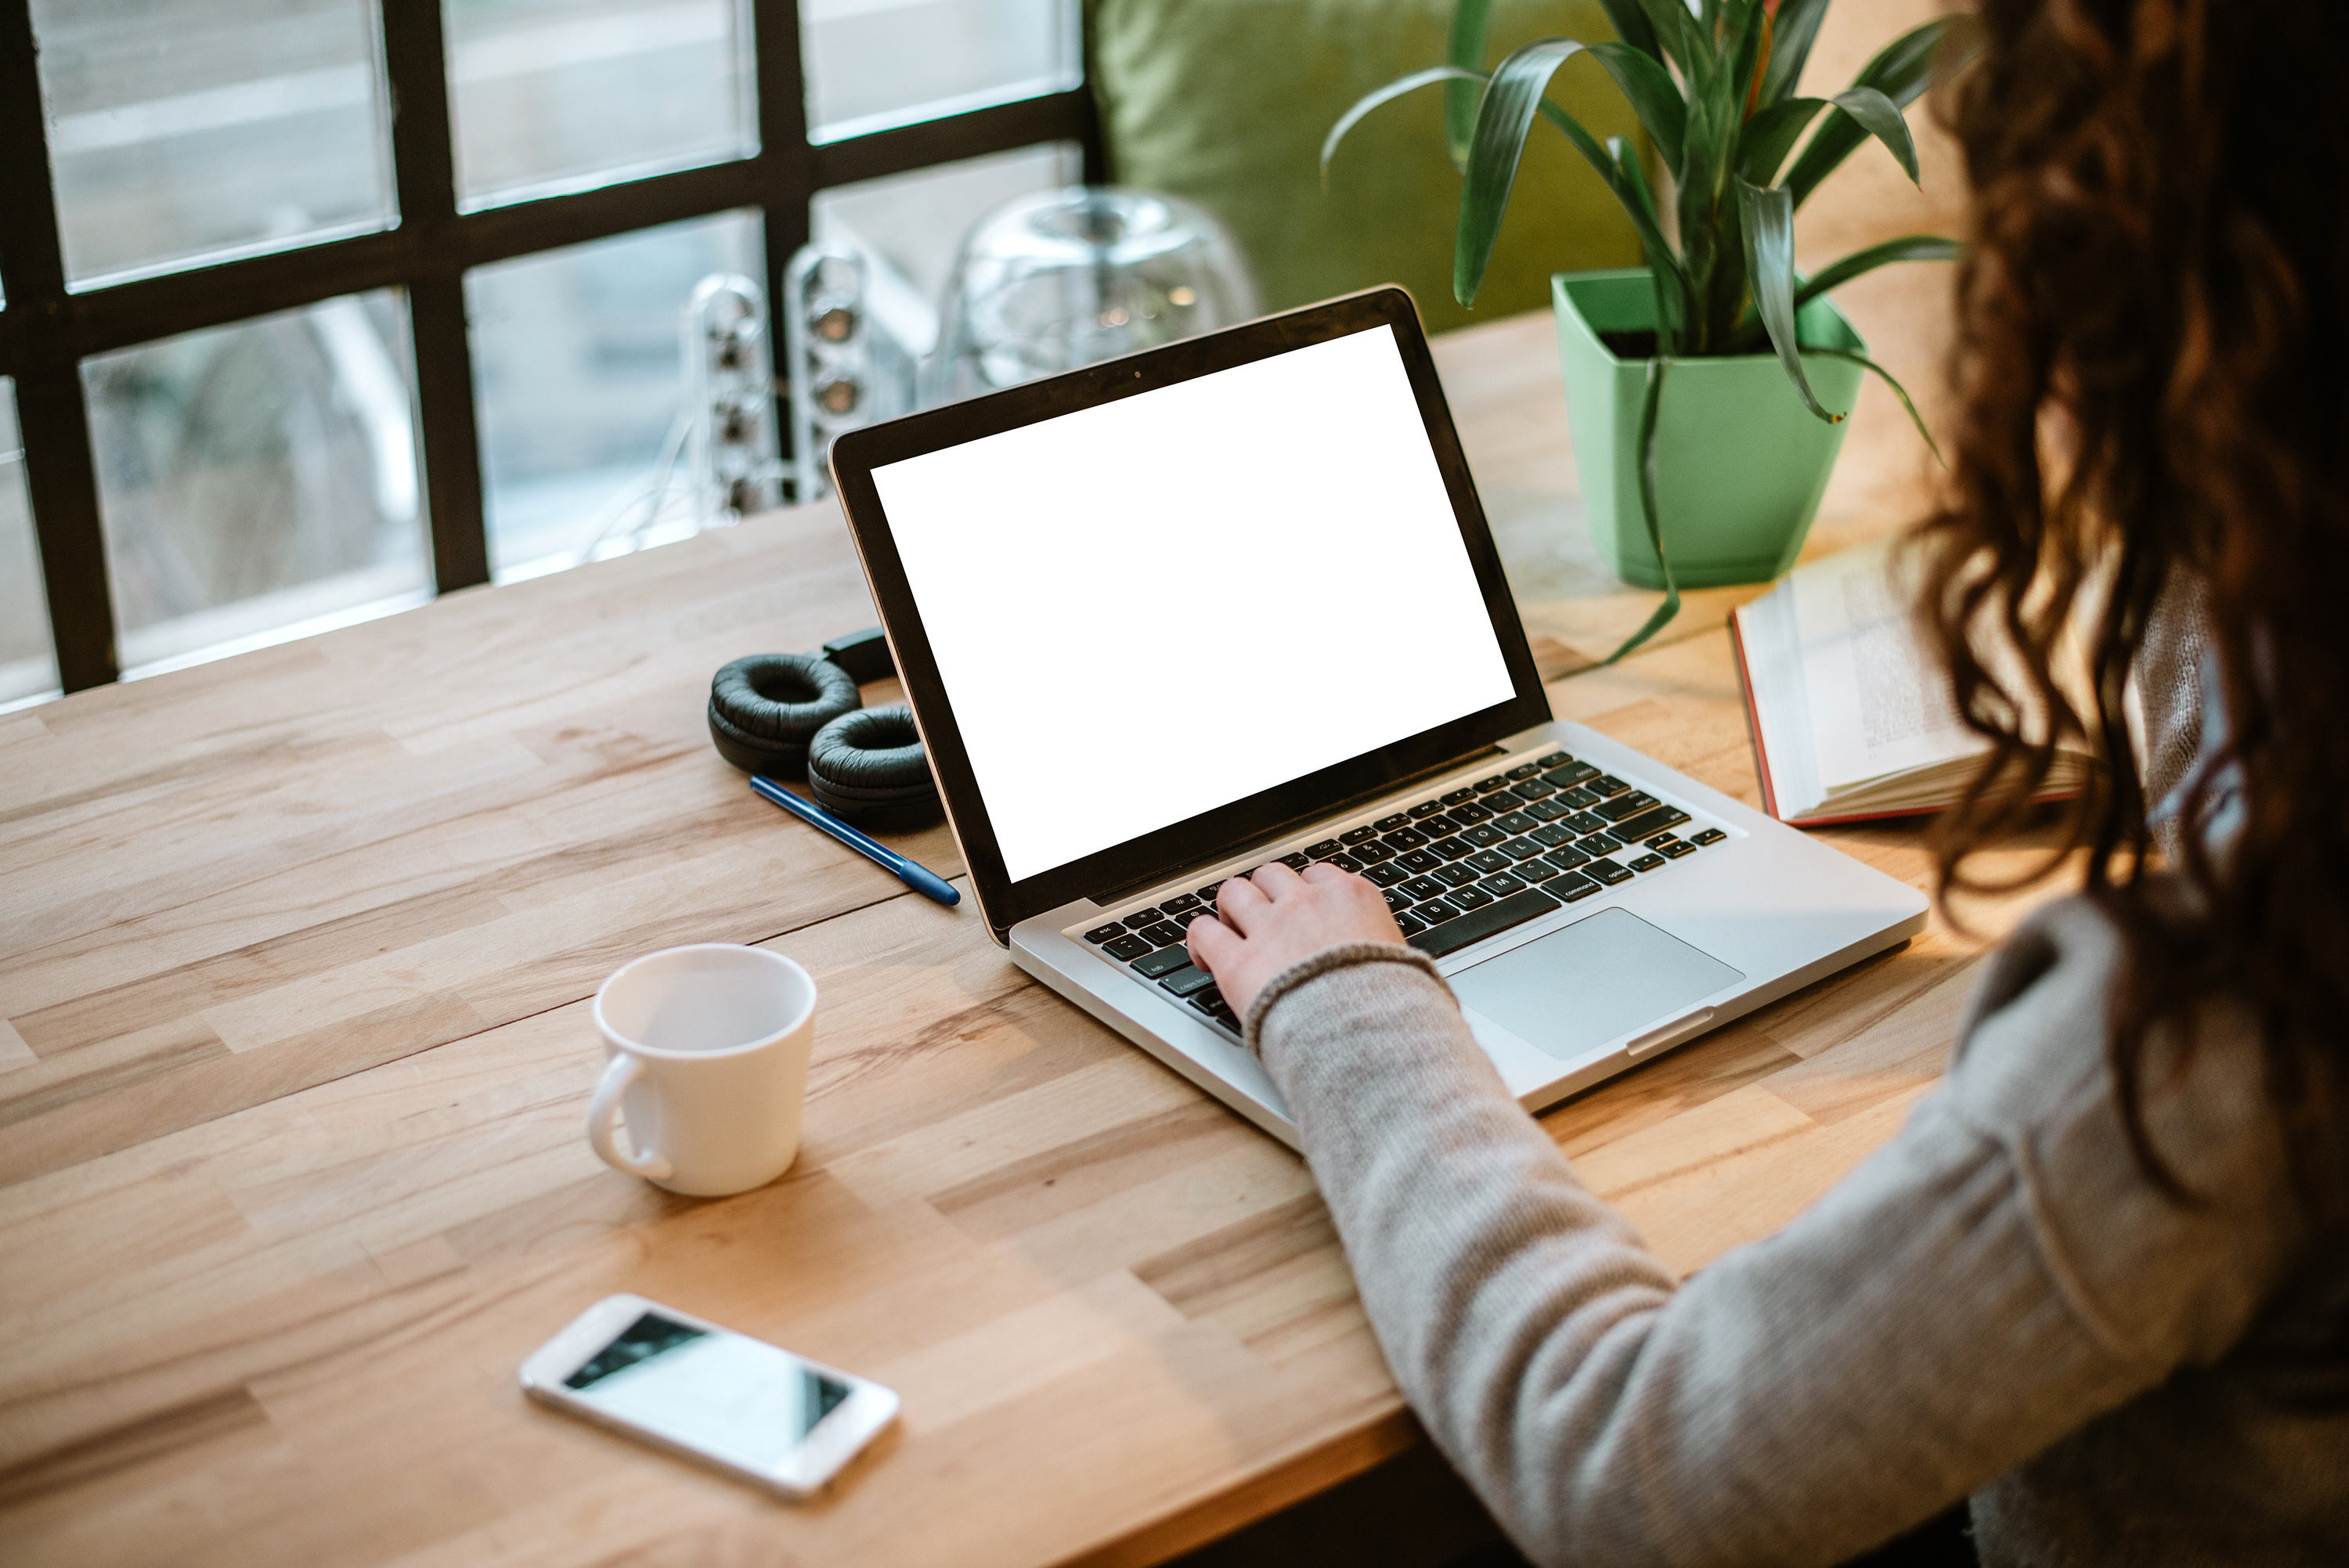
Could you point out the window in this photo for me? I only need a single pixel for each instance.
(277, 359)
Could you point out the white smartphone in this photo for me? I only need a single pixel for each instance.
(751, 1408)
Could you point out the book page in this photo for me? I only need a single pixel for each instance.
(1879, 704)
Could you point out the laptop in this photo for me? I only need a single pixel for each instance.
(1169, 617)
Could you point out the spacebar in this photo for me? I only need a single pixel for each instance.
(1454, 935)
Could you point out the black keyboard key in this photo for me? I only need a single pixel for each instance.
(1357, 835)
(1187, 982)
(1187, 916)
(1547, 810)
(1572, 773)
(1463, 815)
(1555, 760)
(1344, 862)
(1211, 1002)
(1483, 835)
(1109, 932)
(1165, 932)
(1539, 871)
(1623, 806)
(1387, 875)
(1421, 887)
(1649, 862)
(1424, 808)
(1409, 925)
(1486, 785)
(1531, 789)
(1598, 844)
(1419, 860)
(1523, 849)
(1525, 770)
(1608, 871)
(1207, 894)
(1468, 898)
(1583, 822)
(1568, 859)
(1578, 798)
(1606, 784)
(1709, 836)
(1648, 824)
(1501, 886)
(1372, 852)
(1515, 823)
(1434, 912)
(1454, 849)
(1297, 863)
(1674, 848)
(1142, 919)
(1177, 906)
(1388, 824)
(1550, 835)
(1455, 876)
(1399, 900)
(1324, 850)
(1124, 947)
(1166, 961)
(1571, 886)
(1460, 797)
(1494, 919)
(1490, 861)
(1437, 826)
(1403, 839)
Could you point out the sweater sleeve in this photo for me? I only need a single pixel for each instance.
(1986, 1282)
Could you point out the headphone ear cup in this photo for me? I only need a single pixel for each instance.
(869, 768)
(765, 709)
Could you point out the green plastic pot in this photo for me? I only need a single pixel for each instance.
(1740, 462)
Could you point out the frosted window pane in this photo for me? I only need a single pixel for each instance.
(876, 63)
(181, 129)
(28, 663)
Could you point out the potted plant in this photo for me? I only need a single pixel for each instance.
(1736, 454)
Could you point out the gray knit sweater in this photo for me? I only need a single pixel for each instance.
(1996, 1304)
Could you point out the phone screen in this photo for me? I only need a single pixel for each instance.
(736, 1398)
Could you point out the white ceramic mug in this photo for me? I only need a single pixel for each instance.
(706, 1048)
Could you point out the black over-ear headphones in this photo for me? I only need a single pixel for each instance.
(799, 716)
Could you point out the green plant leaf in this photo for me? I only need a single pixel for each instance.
(1652, 93)
(1771, 134)
(1900, 71)
(1792, 33)
(1881, 119)
(1471, 25)
(1650, 404)
(1387, 94)
(1745, 25)
(1770, 265)
(1664, 267)
(1907, 248)
(1677, 33)
(1631, 26)
(1503, 120)
(1865, 362)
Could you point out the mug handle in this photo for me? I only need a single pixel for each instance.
(603, 1114)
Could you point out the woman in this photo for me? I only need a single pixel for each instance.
(2099, 1282)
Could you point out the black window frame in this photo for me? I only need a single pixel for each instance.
(47, 331)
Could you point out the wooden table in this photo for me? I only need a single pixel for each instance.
(295, 1055)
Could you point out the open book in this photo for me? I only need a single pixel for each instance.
(1851, 717)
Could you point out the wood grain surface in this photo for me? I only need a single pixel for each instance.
(295, 955)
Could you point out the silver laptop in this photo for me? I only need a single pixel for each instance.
(1170, 617)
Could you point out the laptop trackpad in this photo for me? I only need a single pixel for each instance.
(1591, 982)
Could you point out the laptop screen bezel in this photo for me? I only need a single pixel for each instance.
(1210, 835)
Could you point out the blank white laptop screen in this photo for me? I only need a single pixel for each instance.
(1152, 608)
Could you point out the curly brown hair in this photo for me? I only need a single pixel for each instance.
(2153, 372)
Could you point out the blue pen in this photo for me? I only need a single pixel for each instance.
(928, 883)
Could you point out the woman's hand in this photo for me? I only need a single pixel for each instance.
(1267, 922)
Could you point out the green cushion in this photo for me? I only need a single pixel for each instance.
(1226, 102)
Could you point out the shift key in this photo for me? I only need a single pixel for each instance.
(1474, 926)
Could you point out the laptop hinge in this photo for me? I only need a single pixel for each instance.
(1395, 787)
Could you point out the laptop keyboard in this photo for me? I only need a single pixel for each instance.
(1457, 868)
